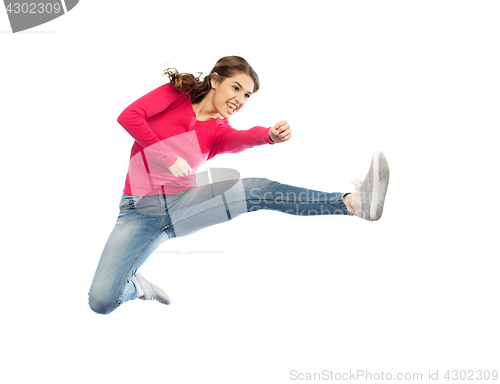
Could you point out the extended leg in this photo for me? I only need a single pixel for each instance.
(216, 203)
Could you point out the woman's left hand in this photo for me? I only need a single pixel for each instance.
(281, 132)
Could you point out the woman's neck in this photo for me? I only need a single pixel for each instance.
(205, 109)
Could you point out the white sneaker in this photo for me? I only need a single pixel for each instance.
(368, 200)
(148, 291)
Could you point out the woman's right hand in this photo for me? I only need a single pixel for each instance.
(180, 168)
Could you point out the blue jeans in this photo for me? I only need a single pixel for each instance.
(146, 222)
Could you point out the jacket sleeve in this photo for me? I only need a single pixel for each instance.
(230, 140)
(134, 120)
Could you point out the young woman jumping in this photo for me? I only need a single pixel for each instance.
(178, 127)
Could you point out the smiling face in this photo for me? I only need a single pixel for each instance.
(231, 94)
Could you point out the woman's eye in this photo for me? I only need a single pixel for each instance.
(236, 88)
(247, 95)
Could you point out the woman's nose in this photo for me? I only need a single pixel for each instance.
(240, 99)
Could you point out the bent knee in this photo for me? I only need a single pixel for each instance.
(102, 305)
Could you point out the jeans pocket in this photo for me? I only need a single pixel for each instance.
(128, 201)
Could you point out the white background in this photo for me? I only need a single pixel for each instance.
(266, 294)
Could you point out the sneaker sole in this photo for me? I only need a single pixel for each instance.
(380, 183)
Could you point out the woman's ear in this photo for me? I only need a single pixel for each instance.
(214, 80)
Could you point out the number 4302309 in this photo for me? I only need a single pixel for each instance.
(33, 8)
(471, 375)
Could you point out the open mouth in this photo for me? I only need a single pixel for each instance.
(231, 108)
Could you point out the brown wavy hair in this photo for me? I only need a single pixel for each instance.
(197, 89)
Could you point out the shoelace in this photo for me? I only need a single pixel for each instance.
(150, 295)
(147, 297)
(357, 183)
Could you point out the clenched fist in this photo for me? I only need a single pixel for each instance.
(281, 132)
(180, 168)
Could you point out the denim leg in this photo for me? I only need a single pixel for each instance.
(146, 222)
(140, 228)
(274, 196)
(211, 204)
